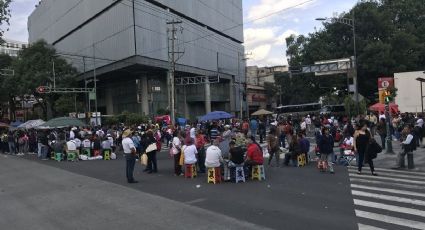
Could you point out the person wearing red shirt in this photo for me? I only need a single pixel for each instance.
(254, 155)
(200, 142)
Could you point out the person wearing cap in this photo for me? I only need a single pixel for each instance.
(130, 155)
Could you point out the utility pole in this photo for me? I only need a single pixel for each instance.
(95, 84)
(173, 56)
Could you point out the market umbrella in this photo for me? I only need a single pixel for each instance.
(62, 122)
(16, 124)
(261, 112)
(379, 107)
(216, 115)
(31, 124)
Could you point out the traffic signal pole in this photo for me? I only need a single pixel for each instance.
(389, 142)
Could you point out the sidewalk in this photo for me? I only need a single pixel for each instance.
(385, 160)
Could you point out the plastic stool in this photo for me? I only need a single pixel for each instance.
(71, 156)
(214, 175)
(58, 157)
(239, 174)
(86, 151)
(301, 160)
(258, 172)
(107, 155)
(190, 171)
(96, 153)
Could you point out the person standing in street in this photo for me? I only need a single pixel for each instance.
(130, 155)
(382, 131)
(253, 126)
(262, 130)
(362, 138)
(176, 151)
(200, 147)
(273, 146)
(326, 144)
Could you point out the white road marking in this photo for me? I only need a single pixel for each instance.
(390, 220)
(394, 171)
(368, 227)
(383, 183)
(390, 179)
(389, 198)
(388, 190)
(195, 201)
(395, 175)
(393, 208)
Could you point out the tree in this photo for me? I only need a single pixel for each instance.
(33, 68)
(390, 38)
(4, 16)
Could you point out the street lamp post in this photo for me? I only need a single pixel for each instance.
(421, 80)
(352, 23)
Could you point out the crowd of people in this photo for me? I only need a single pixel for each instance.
(229, 143)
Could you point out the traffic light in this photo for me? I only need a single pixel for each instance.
(43, 89)
(387, 97)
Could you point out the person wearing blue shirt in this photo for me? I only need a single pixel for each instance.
(254, 126)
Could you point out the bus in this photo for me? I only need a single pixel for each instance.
(301, 109)
(332, 109)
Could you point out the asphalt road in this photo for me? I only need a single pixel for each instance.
(290, 198)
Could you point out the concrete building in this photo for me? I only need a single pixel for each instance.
(12, 47)
(409, 91)
(256, 93)
(127, 43)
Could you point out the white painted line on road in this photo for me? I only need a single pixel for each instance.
(394, 171)
(395, 174)
(368, 227)
(383, 183)
(196, 201)
(393, 208)
(391, 220)
(389, 198)
(403, 192)
(387, 178)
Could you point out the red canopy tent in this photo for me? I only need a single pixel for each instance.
(379, 107)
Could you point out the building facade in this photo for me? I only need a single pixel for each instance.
(12, 47)
(126, 44)
(409, 93)
(256, 78)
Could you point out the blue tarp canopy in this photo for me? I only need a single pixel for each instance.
(216, 115)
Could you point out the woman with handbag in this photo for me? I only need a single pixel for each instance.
(362, 139)
(151, 149)
(176, 152)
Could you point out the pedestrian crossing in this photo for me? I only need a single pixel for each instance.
(393, 200)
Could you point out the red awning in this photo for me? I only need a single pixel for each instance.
(379, 107)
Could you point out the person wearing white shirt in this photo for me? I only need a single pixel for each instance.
(176, 152)
(190, 153)
(193, 133)
(213, 157)
(409, 146)
(130, 155)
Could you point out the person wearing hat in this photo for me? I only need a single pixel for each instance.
(130, 155)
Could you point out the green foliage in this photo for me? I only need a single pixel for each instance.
(350, 106)
(131, 118)
(33, 68)
(390, 37)
(66, 104)
(4, 16)
(5, 61)
(113, 120)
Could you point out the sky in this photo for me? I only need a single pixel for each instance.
(264, 38)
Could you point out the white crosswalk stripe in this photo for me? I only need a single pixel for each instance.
(393, 200)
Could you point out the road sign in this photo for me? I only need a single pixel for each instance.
(385, 83)
(43, 89)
